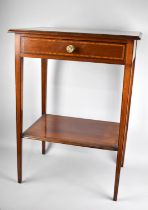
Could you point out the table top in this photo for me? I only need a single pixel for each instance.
(76, 32)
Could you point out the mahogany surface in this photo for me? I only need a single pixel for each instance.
(78, 32)
(75, 131)
(83, 49)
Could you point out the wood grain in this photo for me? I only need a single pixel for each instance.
(75, 131)
(80, 32)
(91, 50)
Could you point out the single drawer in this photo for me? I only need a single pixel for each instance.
(75, 49)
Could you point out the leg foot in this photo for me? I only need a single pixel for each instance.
(43, 147)
(19, 160)
(117, 177)
(20, 181)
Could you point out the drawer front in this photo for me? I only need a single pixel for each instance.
(81, 49)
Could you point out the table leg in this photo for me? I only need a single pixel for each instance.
(124, 113)
(19, 110)
(128, 114)
(44, 63)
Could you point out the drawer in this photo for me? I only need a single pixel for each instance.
(75, 49)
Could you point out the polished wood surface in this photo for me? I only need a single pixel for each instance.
(110, 51)
(77, 32)
(96, 46)
(75, 131)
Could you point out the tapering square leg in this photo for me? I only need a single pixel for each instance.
(124, 117)
(19, 105)
(44, 63)
(128, 112)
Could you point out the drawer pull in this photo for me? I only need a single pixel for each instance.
(70, 48)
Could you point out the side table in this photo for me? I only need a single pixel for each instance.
(85, 46)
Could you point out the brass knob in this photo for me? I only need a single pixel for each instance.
(70, 48)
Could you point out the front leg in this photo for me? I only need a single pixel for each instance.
(19, 105)
(44, 63)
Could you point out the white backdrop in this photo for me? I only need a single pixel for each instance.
(74, 88)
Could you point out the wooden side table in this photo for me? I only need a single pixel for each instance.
(95, 46)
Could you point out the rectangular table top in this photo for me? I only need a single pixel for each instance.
(76, 32)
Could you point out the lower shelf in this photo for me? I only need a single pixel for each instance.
(75, 131)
